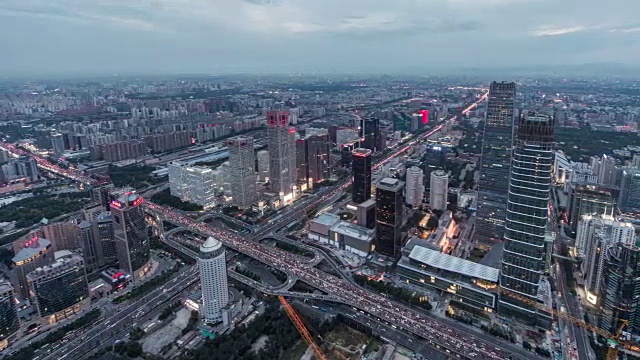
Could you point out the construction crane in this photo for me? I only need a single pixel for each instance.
(297, 321)
(302, 329)
(612, 353)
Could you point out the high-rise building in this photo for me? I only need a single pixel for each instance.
(263, 165)
(629, 200)
(605, 169)
(596, 235)
(361, 163)
(131, 233)
(589, 199)
(34, 253)
(371, 136)
(493, 185)
(213, 279)
(28, 167)
(527, 249)
(194, 184)
(415, 186)
(103, 228)
(439, 190)
(242, 166)
(57, 144)
(389, 213)
(620, 290)
(318, 157)
(9, 321)
(346, 153)
(60, 287)
(282, 155)
(91, 246)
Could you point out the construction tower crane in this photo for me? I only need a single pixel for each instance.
(297, 321)
(612, 353)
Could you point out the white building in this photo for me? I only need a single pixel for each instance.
(439, 190)
(242, 170)
(213, 280)
(594, 236)
(194, 184)
(415, 186)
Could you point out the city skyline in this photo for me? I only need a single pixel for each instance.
(71, 37)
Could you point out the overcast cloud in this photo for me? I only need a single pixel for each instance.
(210, 36)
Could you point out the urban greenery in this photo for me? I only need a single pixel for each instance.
(169, 310)
(248, 273)
(581, 143)
(193, 320)
(146, 287)
(136, 333)
(157, 244)
(293, 249)
(27, 352)
(273, 323)
(393, 291)
(29, 211)
(135, 176)
(164, 197)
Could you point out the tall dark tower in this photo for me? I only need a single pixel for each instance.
(130, 233)
(389, 212)
(527, 241)
(361, 161)
(370, 134)
(494, 169)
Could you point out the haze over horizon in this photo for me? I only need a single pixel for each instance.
(102, 37)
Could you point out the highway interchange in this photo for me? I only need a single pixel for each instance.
(461, 342)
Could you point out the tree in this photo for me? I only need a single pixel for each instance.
(133, 349)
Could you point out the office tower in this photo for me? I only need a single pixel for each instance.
(263, 165)
(26, 166)
(242, 166)
(57, 144)
(63, 235)
(493, 185)
(318, 156)
(366, 214)
(100, 195)
(302, 160)
(282, 157)
(213, 279)
(621, 289)
(361, 163)
(103, 229)
(589, 199)
(59, 287)
(629, 200)
(439, 190)
(389, 212)
(415, 186)
(34, 253)
(596, 235)
(9, 320)
(371, 137)
(91, 246)
(130, 233)
(527, 251)
(346, 155)
(605, 169)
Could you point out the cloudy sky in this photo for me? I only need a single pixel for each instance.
(212, 36)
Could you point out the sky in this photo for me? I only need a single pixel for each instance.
(68, 37)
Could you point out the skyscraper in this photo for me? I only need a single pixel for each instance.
(263, 165)
(242, 166)
(213, 279)
(371, 136)
(389, 212)
(494, 169)
(282, 151)
(361, 162)
(415, 186)
(629, 199)
(527, 251)
(620, 289)
(130, 233)
(439, 190)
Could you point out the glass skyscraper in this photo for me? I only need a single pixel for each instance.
(131, 233)
(361, 163)
(526, 249)
(389, 211)
(494, 166)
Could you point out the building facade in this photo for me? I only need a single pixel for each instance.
(131, 233)
(629, 200)
(213, 279)
(527, 251)
(494, 166)
(389, 213)
(282, 151)
(621, 290)
(9, 320)
(361, 164)
(415, 186)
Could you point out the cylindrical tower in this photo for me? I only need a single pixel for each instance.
(213, 280)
